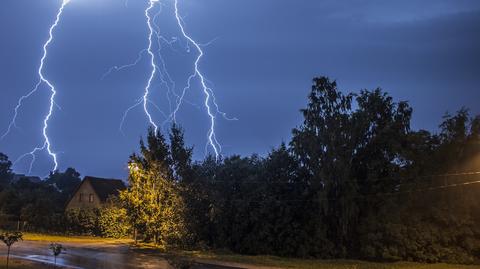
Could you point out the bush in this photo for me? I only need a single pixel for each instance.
(113, 222)
(108, 221)
(82, 221)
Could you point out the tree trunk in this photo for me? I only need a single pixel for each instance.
(135, 235)
(8, 255)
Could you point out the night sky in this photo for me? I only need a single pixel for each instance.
(261, 61)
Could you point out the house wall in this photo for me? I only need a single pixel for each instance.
(85, 191)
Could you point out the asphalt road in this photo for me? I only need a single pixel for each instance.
(88, 256)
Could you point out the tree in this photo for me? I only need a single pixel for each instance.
(325, 145)
(65, 182)
(181, 155)
(37, 204)
(113, 220)
(383, 128)
(347, 156)
(84, 221)
(5, 170)
(153, 199)
(56, 249)
(9, 239)
(351, 183)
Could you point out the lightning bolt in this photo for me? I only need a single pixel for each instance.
(143, 100)
(42, 80)
(119, 68)
(159, 69)
(152, 63)
(211, 136)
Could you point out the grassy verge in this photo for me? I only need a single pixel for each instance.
(71, 239)
(290, 263)
(20, 264)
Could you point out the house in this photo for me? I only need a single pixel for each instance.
(93, 192)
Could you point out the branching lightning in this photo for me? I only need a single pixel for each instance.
(157, 72)
(42, 80)
(119, 68)
(212, 137)
(152, 62)
(158, 69)
(157, 65)
(153, 30)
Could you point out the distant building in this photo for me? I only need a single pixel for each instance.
(18, 177)
(93, 192)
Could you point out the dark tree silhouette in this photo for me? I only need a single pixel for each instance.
(5, 170)
(10, 238)
(56, 249)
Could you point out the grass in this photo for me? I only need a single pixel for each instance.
(71, 239)
(290, 263)
(20, 264)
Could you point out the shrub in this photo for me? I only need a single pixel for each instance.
(82, 221)
(113, 222)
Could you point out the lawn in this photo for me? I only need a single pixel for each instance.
(20, 264)
(72, 239)
(270, 261)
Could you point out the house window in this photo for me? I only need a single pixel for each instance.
(90, 198)
(80, 197)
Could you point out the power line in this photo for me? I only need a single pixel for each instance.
(372, 179)
(368, 195)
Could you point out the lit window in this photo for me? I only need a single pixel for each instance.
(90, 198)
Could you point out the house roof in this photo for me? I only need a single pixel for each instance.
(105, 187)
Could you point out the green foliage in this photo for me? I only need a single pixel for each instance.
(65, 182)
(5, 170)
(348, 185)
(39, 206)
(113, 221)
(153, 199)
(56, 249)
(82, 221)
(10, 238)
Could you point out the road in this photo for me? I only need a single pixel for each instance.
(89, 255)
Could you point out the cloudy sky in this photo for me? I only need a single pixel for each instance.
(260, 57)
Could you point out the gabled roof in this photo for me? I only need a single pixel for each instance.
(105, 187)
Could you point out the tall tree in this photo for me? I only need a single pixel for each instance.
(153, 198)
(5, 170)
(181, 155)
(325, 145)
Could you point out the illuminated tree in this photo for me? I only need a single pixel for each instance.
(153, 199)
(113, 220)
